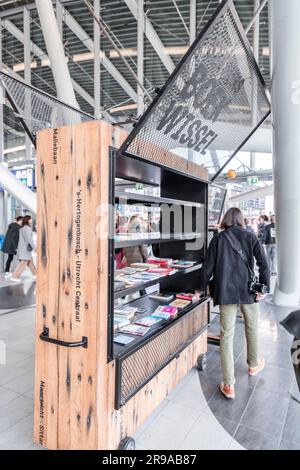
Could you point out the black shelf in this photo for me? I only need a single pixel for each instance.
(150, 305)
(131, 197)
(132, 290)
(131, 240)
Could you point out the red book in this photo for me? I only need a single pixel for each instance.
(185, 296)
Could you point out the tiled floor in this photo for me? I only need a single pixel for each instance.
(263, 413)
(195, 415)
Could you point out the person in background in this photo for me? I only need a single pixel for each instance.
(231, 290)
(10, 243)
(261, 228)
(248, 226)
(270, 241)
(136, 254)
(119, 252)
(25, 248)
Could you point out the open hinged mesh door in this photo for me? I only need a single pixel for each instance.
(214, 100)
(37, 110)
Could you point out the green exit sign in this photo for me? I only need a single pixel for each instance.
(252, 180)
(139, 186)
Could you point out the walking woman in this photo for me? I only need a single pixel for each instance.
(230, 261)
(11, 241)
(25, 248)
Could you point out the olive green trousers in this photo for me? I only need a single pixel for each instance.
(228, 319)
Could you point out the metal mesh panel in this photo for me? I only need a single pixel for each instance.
(216, 198)
(214, 100)
(38, 109)
(142, 365)
(210, 235)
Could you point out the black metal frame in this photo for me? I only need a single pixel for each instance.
(111, 251)
(120, 359)
(221, 7)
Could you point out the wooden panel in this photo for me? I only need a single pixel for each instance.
(75, 387)
(72, 283)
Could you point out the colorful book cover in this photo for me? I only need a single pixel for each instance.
(180, 303)
(135, 330)
(147, 321)
(122, 339)
(161, 315)
(167, 309)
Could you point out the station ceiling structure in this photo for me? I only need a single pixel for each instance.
(169, 27)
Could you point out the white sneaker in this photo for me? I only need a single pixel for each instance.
(14, 279)
(7, 275)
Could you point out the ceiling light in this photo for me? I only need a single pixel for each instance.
(266, 51)
(20, 148)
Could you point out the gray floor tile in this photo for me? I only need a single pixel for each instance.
(170, 428)
(231, 410)
(23, 383)
(252, 439)
(6, 396)
(138, 446)
(14, 411)
(19, 436)
(287, 445)
(266, 411)
(278, 379)
(234, 445)
(229, 426)
(10, 373)
(29, 394)
(190, 394)
(291, 430)
(157, 412)
(206, 434)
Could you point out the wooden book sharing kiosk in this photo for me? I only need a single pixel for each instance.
(88, 394)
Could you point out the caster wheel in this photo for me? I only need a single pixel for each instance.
(202, 362)
(127, 444)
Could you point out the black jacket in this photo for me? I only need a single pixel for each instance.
(270, 239)
(231, 275)
(11, 239)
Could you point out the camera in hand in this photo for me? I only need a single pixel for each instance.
(258, 288)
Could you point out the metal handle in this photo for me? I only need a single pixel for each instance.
(45, 337)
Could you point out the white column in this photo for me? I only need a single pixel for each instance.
(59, 66)
(97, 68)
(27, 76)
(140, 57)
(285, 40)
(17, 189)
(193, 20)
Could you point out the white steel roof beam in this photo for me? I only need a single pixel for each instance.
(39, 53)
(89, 44)
(153, 38)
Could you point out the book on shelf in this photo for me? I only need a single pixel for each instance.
(183, 264)
(186, 296)
(125, 310)
(147, 321)
(135, 330)
(165, 298)
(161, 315)
(169, 309)
(120, 322)
(119, 285)
(162, 262)
(144, 266)
(163, 271)
(122, 339)
(180, 303)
